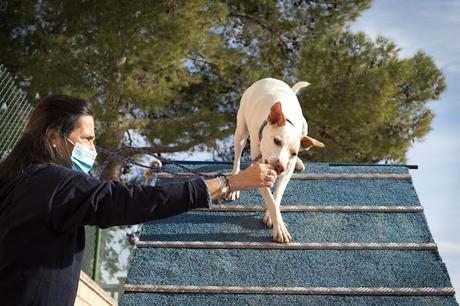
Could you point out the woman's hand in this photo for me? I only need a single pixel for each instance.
(255, 176)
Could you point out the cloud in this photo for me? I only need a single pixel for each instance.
(414, 25)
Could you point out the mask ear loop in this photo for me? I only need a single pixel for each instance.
(67, 139)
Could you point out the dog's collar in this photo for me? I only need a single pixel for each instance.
(264, 124)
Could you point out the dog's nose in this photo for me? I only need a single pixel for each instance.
(279, 167)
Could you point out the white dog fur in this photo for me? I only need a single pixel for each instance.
(269, 110)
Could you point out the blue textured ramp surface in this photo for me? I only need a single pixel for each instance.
(267, 268)
(290, 268)
(304, 226)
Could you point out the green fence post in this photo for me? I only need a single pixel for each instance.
(96, 255)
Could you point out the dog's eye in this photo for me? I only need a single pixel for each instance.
(277, 142)
(294, 154)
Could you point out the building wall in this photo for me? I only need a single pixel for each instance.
(90, 294)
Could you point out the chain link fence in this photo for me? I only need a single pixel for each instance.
(14, 112)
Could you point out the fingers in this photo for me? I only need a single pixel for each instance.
(268, 175)
(267, 169)
(268, 166)
(264, 166)
(257, 175)
(267, 181)
(270, 178)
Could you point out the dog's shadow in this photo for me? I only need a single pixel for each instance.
(210, 227)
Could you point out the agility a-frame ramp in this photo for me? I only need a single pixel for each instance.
(360, 238)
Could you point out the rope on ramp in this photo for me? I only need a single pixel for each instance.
(290, 290)
(314, 208)
(309, 176)
(288, 246)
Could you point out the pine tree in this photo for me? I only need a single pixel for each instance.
(366, 102)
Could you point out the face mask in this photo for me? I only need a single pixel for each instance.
(82, 158)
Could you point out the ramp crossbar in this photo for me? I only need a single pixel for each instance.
(314, 208)
(288, 246)
(290, 290)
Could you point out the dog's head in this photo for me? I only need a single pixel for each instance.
(281, 142)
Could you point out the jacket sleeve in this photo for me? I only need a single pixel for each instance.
(83, 200)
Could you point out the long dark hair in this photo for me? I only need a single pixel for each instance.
(58, 112)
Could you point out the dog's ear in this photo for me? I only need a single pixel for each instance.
(276, 115)
(308, 142)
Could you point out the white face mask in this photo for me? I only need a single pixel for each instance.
(82, 158)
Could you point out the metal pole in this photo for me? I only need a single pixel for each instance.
(96, 255)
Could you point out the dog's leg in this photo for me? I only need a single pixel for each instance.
(281, 184)
(283, 180)
(279, 231)
(241, 137)
(299, 165)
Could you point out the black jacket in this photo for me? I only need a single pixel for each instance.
(42, 218)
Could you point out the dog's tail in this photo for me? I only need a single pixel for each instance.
(298, 86)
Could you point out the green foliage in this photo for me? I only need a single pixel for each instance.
(142, 63)
(173, 71)
(365, 102)
(126, 57)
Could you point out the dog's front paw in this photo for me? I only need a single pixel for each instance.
(280, 233)
(267, 220)
(232, 196)
(299, 165)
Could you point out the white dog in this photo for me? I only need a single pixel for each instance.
(271, 116)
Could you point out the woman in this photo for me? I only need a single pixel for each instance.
(46, 198)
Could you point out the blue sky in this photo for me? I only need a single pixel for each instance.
(434, 27)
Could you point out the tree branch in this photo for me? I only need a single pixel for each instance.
(265, 27)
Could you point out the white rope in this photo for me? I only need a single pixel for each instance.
(312, 176)
(314, 208)
(288, 246)
(289, 290)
